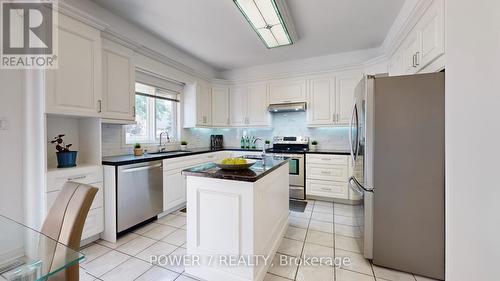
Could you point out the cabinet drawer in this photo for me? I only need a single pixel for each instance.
(188, 161)
(86, 175)
(327, 159)
(327, 172)
(327, 189)
(97, 203)
(94, 224)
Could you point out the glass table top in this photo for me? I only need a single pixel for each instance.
(26, 254)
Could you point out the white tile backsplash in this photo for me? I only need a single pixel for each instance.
(283, 124)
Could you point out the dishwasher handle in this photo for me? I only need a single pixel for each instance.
(141, 168)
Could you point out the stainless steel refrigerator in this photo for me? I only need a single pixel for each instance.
(397, 145)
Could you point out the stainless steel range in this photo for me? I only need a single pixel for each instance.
(294, 148)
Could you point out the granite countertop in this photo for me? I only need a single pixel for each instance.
(131, 159)
(253, 174)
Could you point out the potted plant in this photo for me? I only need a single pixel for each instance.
(268, 144)
(184, 145)
(314, 145)
(138, 150)
(65, 157)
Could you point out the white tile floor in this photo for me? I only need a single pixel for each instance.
(324, 229)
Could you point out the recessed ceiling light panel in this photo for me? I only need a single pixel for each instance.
(269, 19)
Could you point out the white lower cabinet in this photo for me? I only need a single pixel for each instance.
(327, 176)
(327, 188)
(174, 193)
(174, 182)
(91, 175)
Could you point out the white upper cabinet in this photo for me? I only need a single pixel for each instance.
(248, 106)
(197, 105)
(423, 45)
(321, 102)
(220, 106)
(75, 87)
(330, 99)
(395, 66)
(344, 97)
(411, 49)
(431, 29)
(287, 91)
(204, 104)
(118, 82)
(257, 114)
(238, 108)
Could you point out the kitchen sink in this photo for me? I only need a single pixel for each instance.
(169, 152)
(255, 157)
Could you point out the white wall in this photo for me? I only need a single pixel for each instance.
(11, 141)
(472, 137)
(301, 67)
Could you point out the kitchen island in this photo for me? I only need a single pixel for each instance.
(236, 219)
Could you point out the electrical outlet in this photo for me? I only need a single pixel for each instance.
(3, 123)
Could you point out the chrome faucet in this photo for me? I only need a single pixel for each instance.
(160, 148)
(263, 146)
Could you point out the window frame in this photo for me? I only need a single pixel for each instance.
(152, 139)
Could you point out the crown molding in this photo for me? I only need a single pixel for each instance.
(392, 43)
(376, 60)
(108, 33)
(79, 15)
(152, 54)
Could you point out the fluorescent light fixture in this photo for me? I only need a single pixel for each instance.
(267, 18)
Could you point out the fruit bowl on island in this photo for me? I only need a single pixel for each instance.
(235, 163)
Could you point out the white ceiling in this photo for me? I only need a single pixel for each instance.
(215, 31)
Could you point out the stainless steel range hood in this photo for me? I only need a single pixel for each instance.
(287, 107)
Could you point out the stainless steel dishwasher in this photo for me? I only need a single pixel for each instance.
(139, 193)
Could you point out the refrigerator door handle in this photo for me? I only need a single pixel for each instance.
(359, 187)
(353, 156)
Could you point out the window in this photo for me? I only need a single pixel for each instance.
(156, 112)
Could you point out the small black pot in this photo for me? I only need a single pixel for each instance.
(66, 159)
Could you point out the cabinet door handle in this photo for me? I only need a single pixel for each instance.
(328, 189)
(325, 172)
(413, 63)
(99, 106)
(133, 108)
(326, 159)
(417, 61)
(77, 178)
